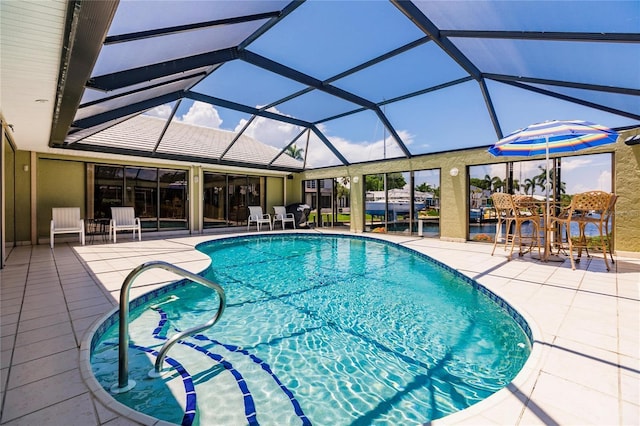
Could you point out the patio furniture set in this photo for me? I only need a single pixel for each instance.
(554, 227)
(66, 220)
(279, 214)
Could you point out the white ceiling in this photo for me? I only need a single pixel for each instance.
(31, 36)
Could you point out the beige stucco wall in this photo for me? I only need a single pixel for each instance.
(60, 183)
(294, 189)
(627, 186)
(275, 193)
(23, 201)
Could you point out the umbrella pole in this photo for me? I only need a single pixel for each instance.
(547, 221)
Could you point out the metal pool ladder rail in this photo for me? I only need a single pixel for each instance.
(124, 384)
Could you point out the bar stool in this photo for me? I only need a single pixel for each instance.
(514, 211)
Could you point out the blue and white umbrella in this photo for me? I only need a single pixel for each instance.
(553, 137)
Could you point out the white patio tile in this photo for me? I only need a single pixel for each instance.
(35, 396)
(42, 321)
(630, 414)
(38, 335)
(576, 312)
(44, 348)
(5, 358)
(32, 371)
(566, 402)
(584, 365)
(39, 312)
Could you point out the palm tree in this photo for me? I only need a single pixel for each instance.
(542, 178)
(530, 184)
(424, 187)
(498, 184)
(516, 184)
(294, 152)
(487, 182)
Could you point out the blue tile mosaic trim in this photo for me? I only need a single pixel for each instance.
(250, 408)
(191, 403)
(249, 405)
(232, 348)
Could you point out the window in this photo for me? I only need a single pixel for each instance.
(227, 197)
(403, 202)
(158, 196)
(426, 185)
(173, 195)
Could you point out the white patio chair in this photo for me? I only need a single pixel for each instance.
(66, 220)
(280, 214)
(123, 219)
(256, 216)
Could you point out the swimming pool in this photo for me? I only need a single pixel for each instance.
(319, 329)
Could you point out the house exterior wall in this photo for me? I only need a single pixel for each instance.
(59, 180)
(275, 193)
(627, 186)
(23, 201)
(60, 183)
(454, 197)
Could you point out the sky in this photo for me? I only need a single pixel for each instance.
(580, 173)
(322, 42)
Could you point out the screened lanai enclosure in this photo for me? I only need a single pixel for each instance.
(248, 88)
(341, 82)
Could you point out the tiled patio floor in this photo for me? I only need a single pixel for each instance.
(584, 369)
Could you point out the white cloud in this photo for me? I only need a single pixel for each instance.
(202, 114)
(604, 181)
(600, 183)
(162, 111)
(321, 156)
(575, 163)
(270, 132)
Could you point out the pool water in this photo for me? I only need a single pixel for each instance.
(327, 330)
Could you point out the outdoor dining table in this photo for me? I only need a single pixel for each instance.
(548, 232)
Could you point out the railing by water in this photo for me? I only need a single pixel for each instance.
(124, 384)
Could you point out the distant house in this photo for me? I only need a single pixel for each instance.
(479, 197)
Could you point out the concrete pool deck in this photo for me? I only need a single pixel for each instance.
(584, 368)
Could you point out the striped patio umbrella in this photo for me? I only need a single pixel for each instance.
(553, 137)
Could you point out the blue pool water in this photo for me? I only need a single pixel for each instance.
(326, 330)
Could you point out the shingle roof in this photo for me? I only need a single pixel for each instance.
(143, 133)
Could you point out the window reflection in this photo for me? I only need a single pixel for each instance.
(484, 181)
(158, 196)
(567, 176)
(427, 192)
(226, 198)
(215, 200)
(173, 193)
(319, 196)
(403, 202)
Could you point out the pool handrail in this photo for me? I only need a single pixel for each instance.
(124, 384)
